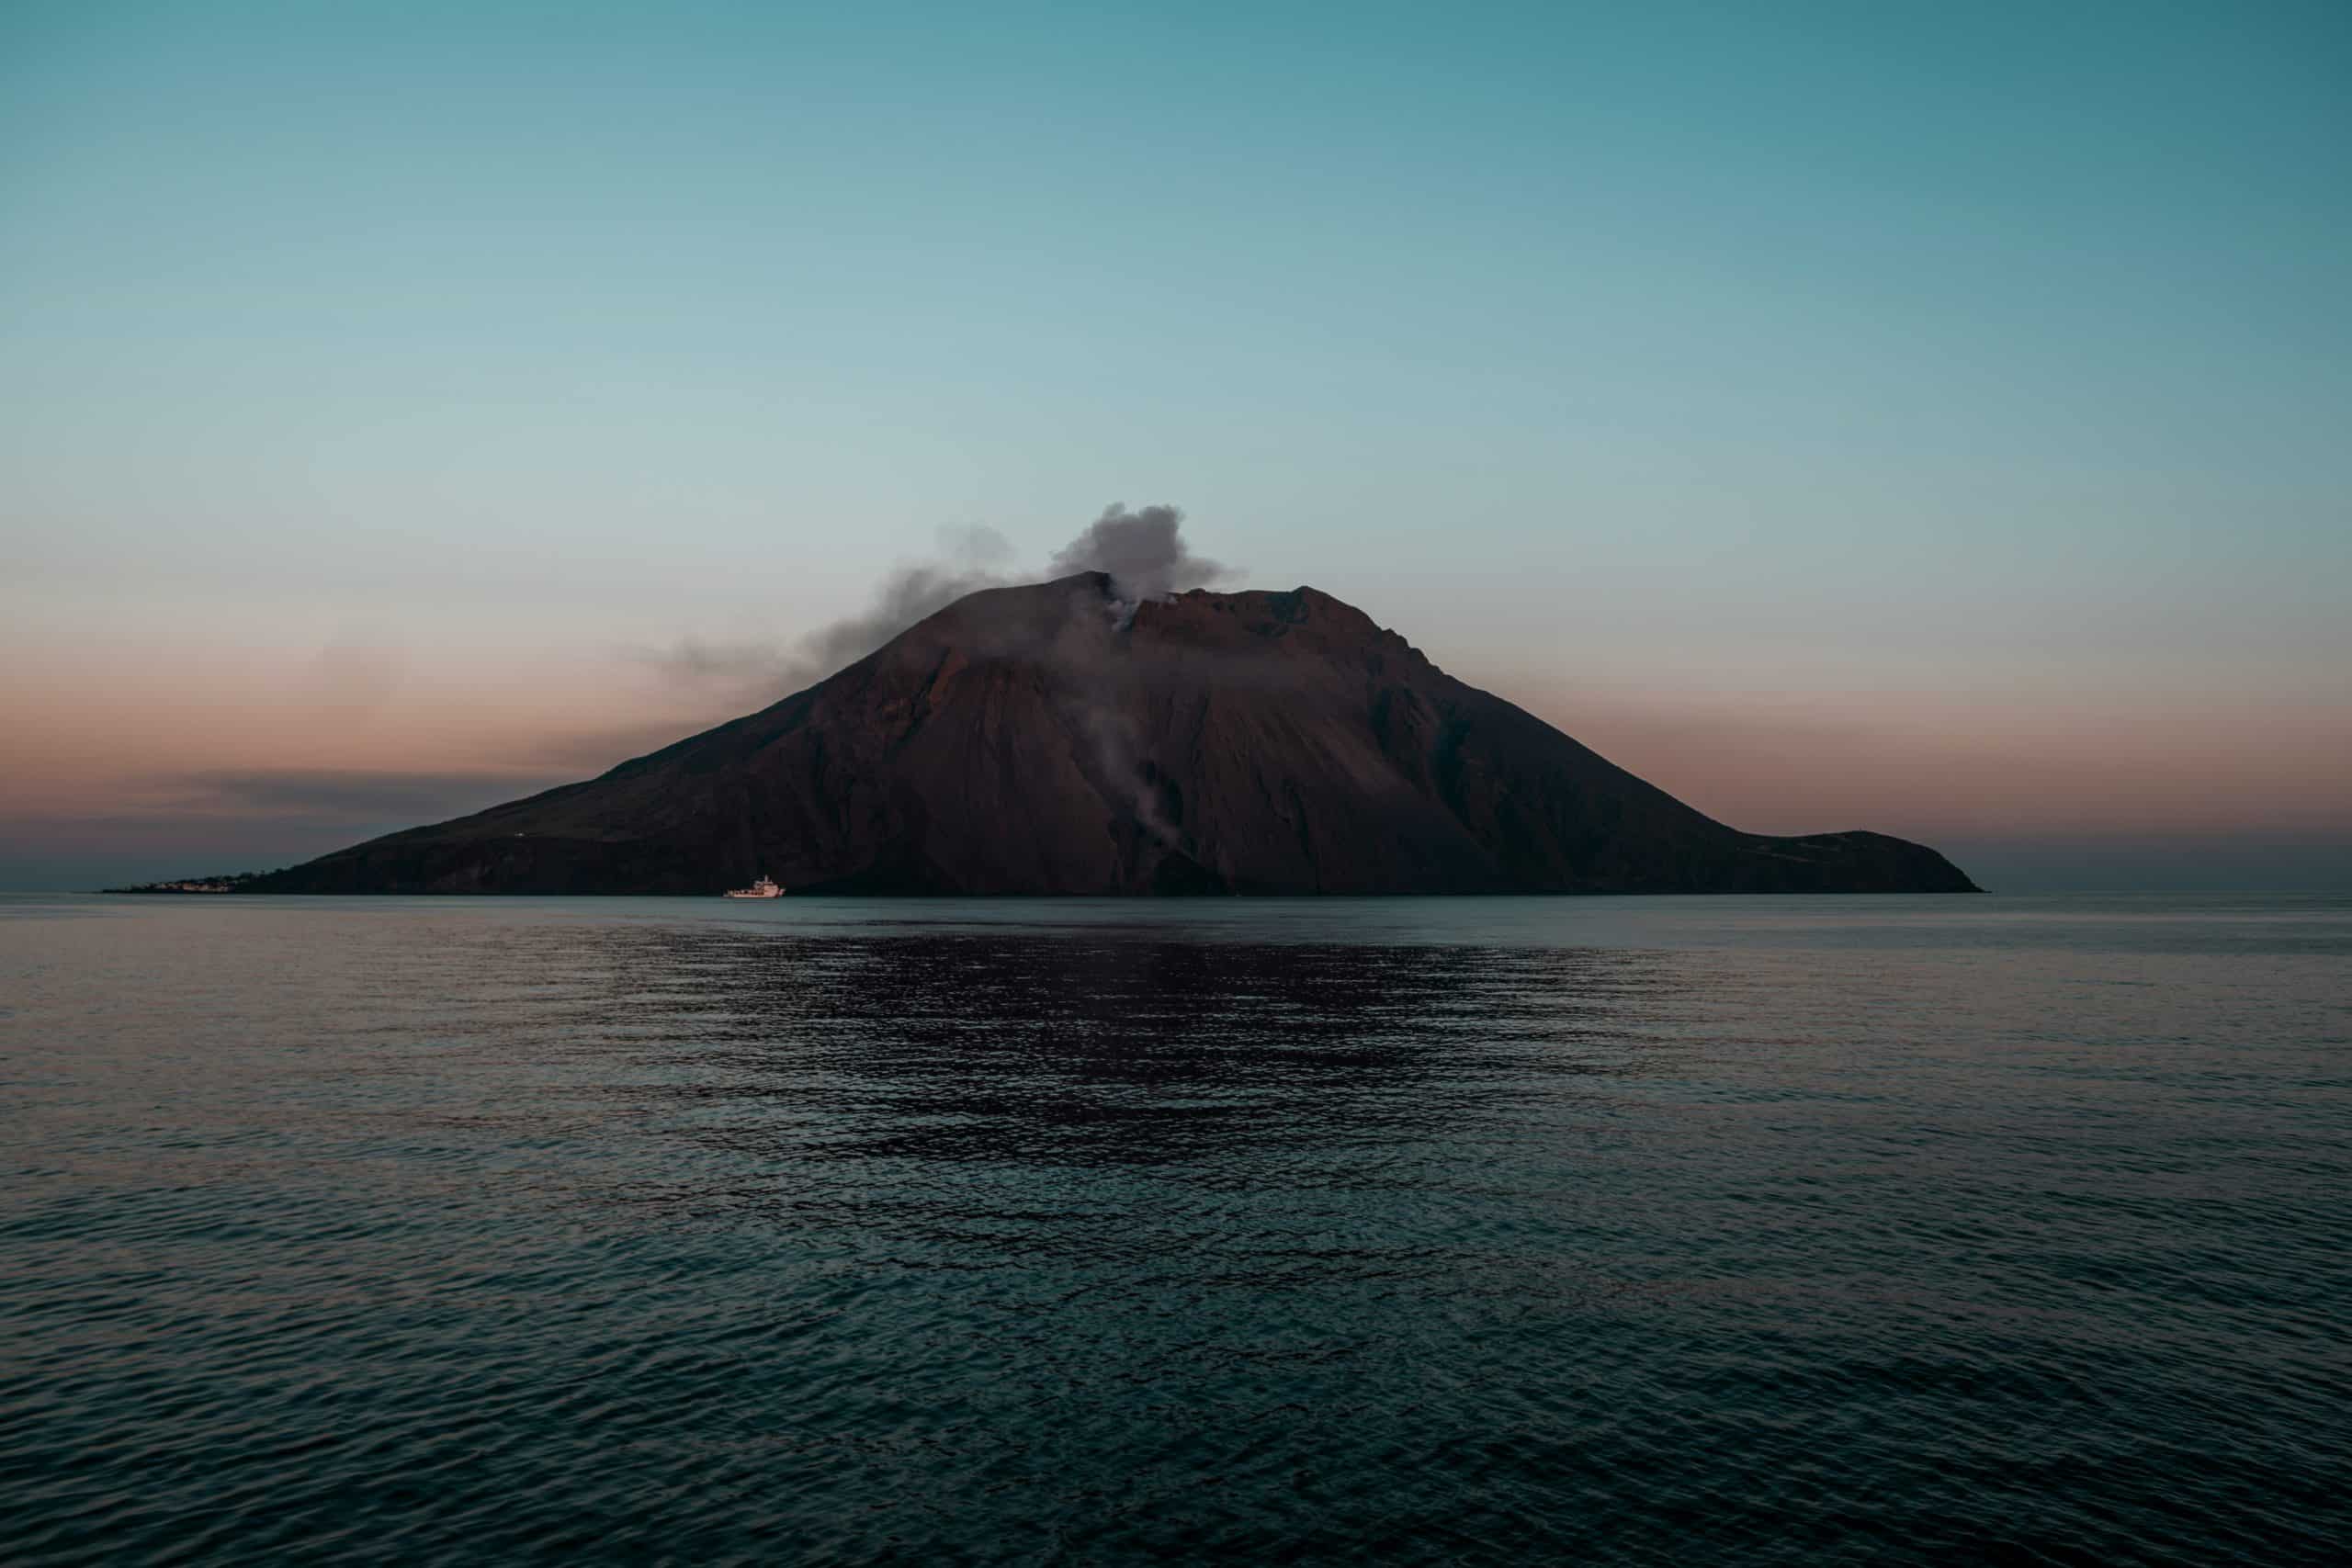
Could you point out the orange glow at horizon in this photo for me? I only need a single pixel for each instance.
(122, 737)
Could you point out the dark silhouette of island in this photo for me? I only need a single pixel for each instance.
(1055, 738)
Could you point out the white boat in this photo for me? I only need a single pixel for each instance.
(763, 889)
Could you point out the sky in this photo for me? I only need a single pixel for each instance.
(1925, 418)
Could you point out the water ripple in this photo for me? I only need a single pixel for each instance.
(1759, 1232)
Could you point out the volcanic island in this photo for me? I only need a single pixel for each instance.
(1056, 739)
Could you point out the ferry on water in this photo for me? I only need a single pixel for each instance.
(764, 887)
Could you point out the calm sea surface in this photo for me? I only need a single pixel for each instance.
(1628, 1231)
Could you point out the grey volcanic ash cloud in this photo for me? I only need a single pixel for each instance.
(1145, 556)
(1143, 551)
(968, 561)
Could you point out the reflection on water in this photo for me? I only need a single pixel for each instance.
(1135, 1049)
(522, 1230)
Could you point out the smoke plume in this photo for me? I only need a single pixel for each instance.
(909, 594)
(1144, 552)
(969, 557)
(1145, 556)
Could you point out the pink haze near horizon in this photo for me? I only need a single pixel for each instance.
(188, 746)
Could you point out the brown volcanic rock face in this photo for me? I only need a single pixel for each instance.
(1030, 740)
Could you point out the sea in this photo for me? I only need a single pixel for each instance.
(1892, 1230)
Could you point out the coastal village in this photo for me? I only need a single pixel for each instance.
(231, 883)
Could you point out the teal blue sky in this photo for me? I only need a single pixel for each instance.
(1786, 399)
